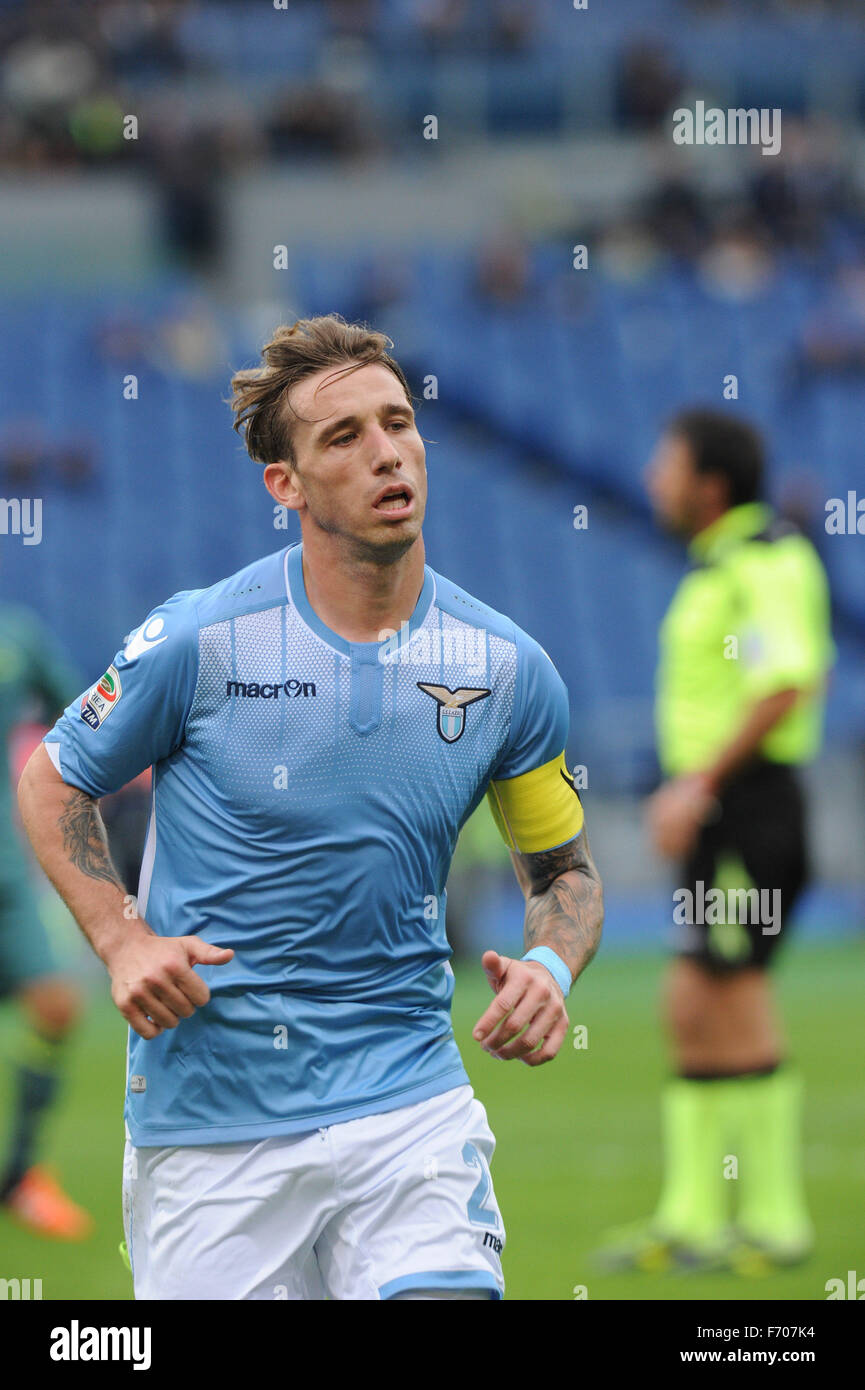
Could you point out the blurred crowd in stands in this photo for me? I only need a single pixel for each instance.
(71, 72)
(71, 69)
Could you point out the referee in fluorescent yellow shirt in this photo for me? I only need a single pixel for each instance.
(745, 649)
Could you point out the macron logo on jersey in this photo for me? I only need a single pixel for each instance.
(146, 637)
(258, 690)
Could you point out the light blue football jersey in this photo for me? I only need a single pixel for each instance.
(307, 797)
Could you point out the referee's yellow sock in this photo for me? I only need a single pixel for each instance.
(693, 1203)
(763, 1118)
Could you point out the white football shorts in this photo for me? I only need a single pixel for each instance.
(388, 1205)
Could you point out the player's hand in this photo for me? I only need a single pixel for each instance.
(675, 814)
(153, 983)
(527, 998)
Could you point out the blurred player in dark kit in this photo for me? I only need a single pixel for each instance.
(32, 671)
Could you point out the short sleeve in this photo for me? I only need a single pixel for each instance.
(785, 638)
(541, 715)
(532, 795)
(135, 714)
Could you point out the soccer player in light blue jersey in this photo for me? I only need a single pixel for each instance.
(320, 725)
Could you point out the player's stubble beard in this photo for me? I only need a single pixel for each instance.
(364, 549)
(356, 548)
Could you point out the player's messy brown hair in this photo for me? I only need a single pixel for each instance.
(259, 400)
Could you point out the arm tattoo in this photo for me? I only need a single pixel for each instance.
(564, 901)
(84, 838)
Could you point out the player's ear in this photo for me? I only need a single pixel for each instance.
(283, 484)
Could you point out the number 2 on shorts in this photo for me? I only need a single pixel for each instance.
(479, 1215)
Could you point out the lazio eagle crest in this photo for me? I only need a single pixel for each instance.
(452, 707)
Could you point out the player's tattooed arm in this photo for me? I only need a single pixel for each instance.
(564, 901)
(153, 981)
(84, 838)
(564, 910)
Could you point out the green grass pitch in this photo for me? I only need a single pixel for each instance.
(578, 1140)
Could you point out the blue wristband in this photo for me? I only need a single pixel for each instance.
(554, 963)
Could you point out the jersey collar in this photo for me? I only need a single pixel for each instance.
(737, 524)
(296, 592)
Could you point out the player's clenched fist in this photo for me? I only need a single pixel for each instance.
(153, 982)
(527, 1018)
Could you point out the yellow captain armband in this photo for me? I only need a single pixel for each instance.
(537, 810)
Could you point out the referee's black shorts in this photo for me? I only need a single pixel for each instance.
(761, 827)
